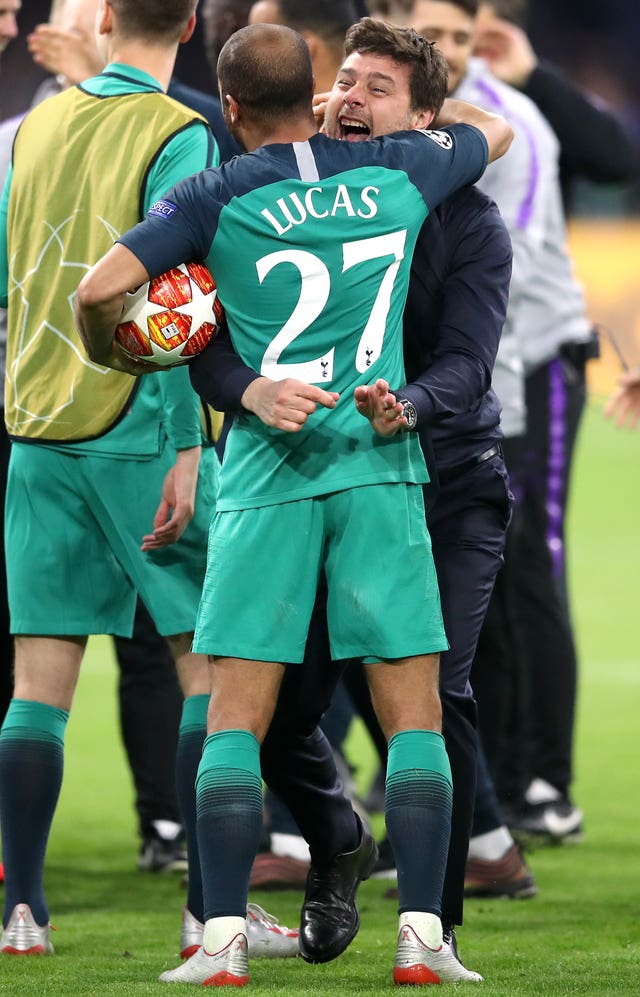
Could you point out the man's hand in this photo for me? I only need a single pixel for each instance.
(319, 104)
(377, 404)
(98, 307)
(506, 50)
(286, 404)
(177, 502)
(72, 54)
(119, 360)
(624, 404)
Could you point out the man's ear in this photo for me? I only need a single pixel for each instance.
(233, 108)
(104, 19)
(188, 31)
(424, 119)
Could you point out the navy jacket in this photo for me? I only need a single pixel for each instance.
(453, 320)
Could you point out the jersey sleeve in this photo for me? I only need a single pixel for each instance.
(179, 227)
(181, 408)
(219, 376)
(4, 261)
(439, 162)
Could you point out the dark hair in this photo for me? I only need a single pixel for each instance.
(470, 7)
(220, 18)
(266, 68)
(388, 8)
(154, 19)
(516, 11)
(428, 67)
(328, 18)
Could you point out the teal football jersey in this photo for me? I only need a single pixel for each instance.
(310, 245)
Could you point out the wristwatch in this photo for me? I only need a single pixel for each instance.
(410, 413)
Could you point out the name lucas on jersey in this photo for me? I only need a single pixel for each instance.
(294, 209)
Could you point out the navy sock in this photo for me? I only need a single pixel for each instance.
(229, 809)
(31, 766)
(193, 730)
(418, 800)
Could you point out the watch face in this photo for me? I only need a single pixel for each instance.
(410, 414)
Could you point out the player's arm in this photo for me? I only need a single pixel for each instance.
(595, 144)
(177, 500)
(496, 129)
(4, 262)
(468, 313)
(98, 306)
(223, 380)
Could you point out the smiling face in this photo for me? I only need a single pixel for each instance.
(451, 28)
(371, 97)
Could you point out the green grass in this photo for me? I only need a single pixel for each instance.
(118, 928)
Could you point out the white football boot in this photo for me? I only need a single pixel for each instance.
(22, 936)
(227, 967)
(418, 964)
(267, 939)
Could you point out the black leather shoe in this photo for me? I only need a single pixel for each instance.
(329, 920)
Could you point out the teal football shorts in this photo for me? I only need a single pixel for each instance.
(74, 563)
(263, 568)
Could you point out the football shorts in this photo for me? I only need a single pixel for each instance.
(74, 526)
(264, 564)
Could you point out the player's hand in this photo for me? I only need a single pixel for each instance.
(506, 50)
(624, 404)
(177, 503)
(377, 404)
(286, 404)
(119, 360)
(72, 54)
(319, 105)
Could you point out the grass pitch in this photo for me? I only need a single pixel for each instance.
(118, 928)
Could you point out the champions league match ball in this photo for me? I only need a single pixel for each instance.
(172, 317)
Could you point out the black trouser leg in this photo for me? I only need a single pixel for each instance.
(545, 661)
(467, 524)
(150, 710)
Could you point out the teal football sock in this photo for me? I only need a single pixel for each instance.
(193, 730)
(229, 809)
(31, 765)
(418, 799)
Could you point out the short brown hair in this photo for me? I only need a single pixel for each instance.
(428, 68)
(154, 19)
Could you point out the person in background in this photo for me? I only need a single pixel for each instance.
(594, 143)
(549, 339)
(595, 146)
(220, 19)
(322, 25)
(149, 695)
(8, 22)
